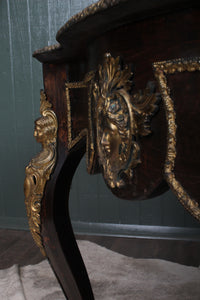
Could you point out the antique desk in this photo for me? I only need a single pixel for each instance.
(122, 85)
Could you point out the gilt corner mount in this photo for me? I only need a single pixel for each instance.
(40, 167)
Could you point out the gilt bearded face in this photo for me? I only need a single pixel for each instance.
(38, 132)
(45, 131)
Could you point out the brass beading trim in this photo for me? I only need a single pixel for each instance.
(162, 69)
(76, 85)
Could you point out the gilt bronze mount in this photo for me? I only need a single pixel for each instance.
(117, 119)
(40, 167)
(121, 119)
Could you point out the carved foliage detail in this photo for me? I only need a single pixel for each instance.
(40, 167)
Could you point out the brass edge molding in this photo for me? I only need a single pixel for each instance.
(90, 137)
(88, 11)
(76, 85)
(121, 119)
(40, 167)
(47, 49)
(161, 70)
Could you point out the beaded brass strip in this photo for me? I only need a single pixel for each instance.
(162, 69)
(72, 142)
(76, 85)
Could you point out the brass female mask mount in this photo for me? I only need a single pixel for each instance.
(119, 118)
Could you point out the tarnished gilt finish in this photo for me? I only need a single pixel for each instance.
(115, 120)
(40, 167)
(162, 69)
(120, 119)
